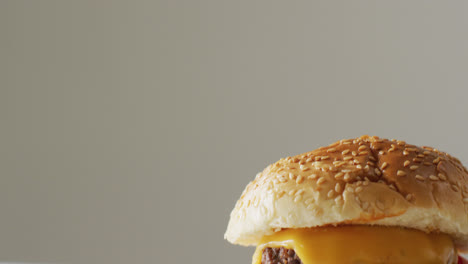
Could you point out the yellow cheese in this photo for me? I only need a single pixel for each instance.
(362, 245)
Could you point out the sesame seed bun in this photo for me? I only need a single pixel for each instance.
(362, 181)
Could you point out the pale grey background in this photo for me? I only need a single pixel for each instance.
(128, 130)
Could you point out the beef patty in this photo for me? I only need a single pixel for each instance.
(280, 256)
(288, 256)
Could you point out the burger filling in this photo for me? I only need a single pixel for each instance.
(355, 244)
(280, 256)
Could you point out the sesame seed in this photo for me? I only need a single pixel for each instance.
(339, 175)
(345, 152)
(301, 191)
(309, 159)
(365, 183)
(292, 192)
(364, 152)
(455, 188)
(295, 160)
(330, 194)
(420, 156)
(435, 161)
(354, 153)
(427, 163)
(401, 143)
(297, 198)
(279, 176)
(377, 171)
(414, 167)
(302, 162)
(370, 163)
(339, 200)
(318, 158)
(358, 166)
(347, 158)
(390, 150)
(426, 152)
(401, 173)
(321, 180)
(384, 165)
(325, 157)
(270, 185)
(347, 177)
(310, 206)
(406, 153)
(304, 168)
(406, 163)
(299, 179)
(338, 188)
(381, 152)
(256, 202)
(356, 161)
(312, 177)
(372, 158)
(331, 150)
(419, 177)
(346, 143)
(292, 176)
(442, 177)
(409, 197)
(350, 189)
(433, 177)
(280, 194)
(417, 160)
(391, 186)
(365, 205)
(341, 163)
(346, 170)
(358, 189)
(361, 148)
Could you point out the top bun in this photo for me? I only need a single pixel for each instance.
(362, 181)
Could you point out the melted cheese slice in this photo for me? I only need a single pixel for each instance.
(362, 245)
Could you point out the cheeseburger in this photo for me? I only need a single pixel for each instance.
(363, 200)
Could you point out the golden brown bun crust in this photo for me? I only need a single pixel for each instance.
(366, 180)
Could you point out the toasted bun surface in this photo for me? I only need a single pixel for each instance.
(364, 181)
